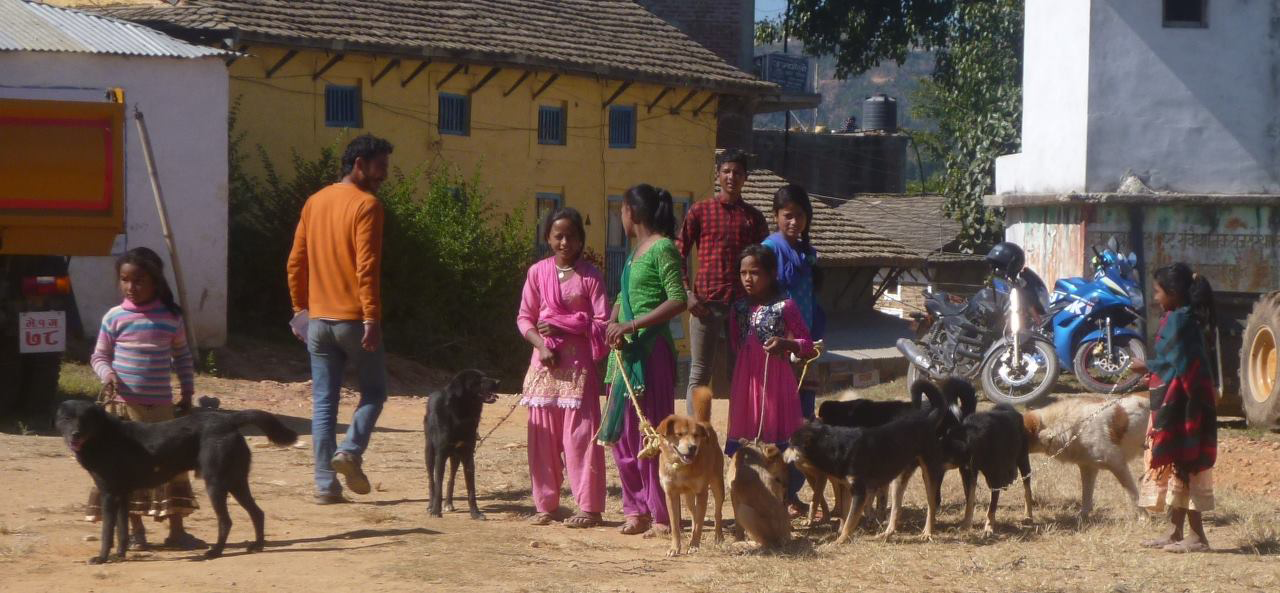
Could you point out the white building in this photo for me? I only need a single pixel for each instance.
(1156, 122)
(56, 53)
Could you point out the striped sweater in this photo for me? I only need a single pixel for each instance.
(143, 345)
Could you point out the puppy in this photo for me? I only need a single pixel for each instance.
(994, 444)
(1094, 433)
(758, 494)
(450, 424)
(870, 458)
(124, 456)
(689, 463)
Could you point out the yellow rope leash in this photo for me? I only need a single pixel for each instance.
(649, 437)
(804, 370)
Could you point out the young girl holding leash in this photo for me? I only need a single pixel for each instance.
(766, 328)
(141, 343)
(563, 314)
(1183, 433)
(797, 262)
(652, 294)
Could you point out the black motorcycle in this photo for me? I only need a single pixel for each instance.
(991, 338)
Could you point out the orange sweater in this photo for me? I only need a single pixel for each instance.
(336, 260)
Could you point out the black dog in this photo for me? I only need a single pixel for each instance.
(451, 423)
(993, 443)
(863, 413)
(124, 456)
(868, 459)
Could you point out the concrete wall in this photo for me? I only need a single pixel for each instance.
(1187, 109)
(1055, 76)
(835, 164)
(726, 27)
(1193, 110)
(185, 104)
(285, 113)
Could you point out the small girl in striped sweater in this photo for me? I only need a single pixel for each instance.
(141, 343)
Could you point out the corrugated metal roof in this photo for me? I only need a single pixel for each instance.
(32, 26)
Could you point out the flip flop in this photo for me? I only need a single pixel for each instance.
(1157, 544)
(138, 544)
(635, 526)
(583, 521)
(541, 519)
(184, 542)
(658, 530)
(1184, 547)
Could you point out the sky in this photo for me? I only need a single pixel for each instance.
(770, 8)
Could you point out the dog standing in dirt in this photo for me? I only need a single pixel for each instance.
(124, 456)
(992, 443)
(758, 494)
(452, 425)
(1094, 433)
(689, 464)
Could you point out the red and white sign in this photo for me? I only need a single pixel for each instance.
(44, 331)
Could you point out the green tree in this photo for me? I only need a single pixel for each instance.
(974, 93)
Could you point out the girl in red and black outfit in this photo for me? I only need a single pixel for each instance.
(1183, 433)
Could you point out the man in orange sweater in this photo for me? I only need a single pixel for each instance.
(334, 270)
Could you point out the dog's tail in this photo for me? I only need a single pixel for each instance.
(955, 389)
(275, 430)
(702, 404)
(922, 389)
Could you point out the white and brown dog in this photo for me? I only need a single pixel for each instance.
(1093, 433)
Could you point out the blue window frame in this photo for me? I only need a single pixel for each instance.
(622, 126)
(543, 204)
(342, 106)
(455, 114)
(551, 125)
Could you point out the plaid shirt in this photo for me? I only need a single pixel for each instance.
(720, 231)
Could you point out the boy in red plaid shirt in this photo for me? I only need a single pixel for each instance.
(719, 229)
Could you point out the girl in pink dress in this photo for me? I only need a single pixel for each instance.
(563, 314)
(766, 328)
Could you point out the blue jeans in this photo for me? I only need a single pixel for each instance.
(332, 344)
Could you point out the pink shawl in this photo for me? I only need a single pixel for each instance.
(542, 301)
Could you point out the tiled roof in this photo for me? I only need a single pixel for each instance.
(615, 38)
(839, 239)
(32, 26)
(917, 222)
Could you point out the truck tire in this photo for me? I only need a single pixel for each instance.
(1259, 367)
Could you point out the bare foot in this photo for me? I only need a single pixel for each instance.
(1187, 545)
(635, 525)
(658, 530)
(541, 519)
(1159, 543)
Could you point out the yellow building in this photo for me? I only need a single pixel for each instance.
(555, 101)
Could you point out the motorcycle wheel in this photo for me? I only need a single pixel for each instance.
(1001, 386)
(1096, 374)
(913, 374)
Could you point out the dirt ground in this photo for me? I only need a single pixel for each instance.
(386, 542)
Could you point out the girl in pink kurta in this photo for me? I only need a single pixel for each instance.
(563, 314)
(766, 329)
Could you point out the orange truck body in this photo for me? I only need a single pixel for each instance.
(62, 172)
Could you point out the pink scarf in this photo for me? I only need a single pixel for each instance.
(556, 312)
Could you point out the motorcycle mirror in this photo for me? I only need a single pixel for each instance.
(1112, 244)
(1133, 258)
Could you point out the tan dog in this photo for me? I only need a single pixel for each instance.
(1094, 433)
(690, 462)
(758, 492)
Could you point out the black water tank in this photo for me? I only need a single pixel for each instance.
(880, 113)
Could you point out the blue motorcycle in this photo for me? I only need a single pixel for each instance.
(1095, 323)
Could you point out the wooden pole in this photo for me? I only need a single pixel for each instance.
(166, 230)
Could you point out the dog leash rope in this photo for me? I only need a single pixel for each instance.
(649, 437)
(804, 370)
(511, 410)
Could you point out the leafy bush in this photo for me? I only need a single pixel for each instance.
(452, 269)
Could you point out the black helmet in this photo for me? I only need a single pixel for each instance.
(1007, 259)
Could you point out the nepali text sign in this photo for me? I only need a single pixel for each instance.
(44, 331)
(789, 72)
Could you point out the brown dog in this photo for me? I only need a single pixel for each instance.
(690, 462)
(758, 492)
